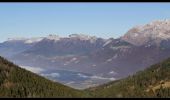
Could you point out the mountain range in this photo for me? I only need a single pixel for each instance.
(91, 60)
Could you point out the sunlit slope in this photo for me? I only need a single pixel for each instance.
(152, 82)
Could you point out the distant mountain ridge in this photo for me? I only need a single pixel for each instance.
(54, 37)
(110, 58)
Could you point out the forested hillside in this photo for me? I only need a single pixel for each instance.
(17, 82)
(152, 82)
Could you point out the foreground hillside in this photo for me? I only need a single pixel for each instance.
(152, 82)
(17, 82)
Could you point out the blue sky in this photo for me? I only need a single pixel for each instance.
(97, 19)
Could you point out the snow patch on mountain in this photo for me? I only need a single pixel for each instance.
(33, 40)
(107, 42)
(53, 37)
(26, 40)
(92, 39)
(109, 60)
(115, 56)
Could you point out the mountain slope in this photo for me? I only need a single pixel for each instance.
(155, 31)
(75, 44)
(11, 47)
(152, 82)
(17, 82)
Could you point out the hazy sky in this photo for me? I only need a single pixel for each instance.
(96, 19)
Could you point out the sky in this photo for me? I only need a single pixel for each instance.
(106, 20)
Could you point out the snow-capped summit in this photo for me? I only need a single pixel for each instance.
(154, 31)
(79, 36)
(53, 37)
(83, 37)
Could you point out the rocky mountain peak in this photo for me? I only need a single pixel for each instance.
(154, 31)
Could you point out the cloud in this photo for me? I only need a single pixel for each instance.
(112, 72)
(51, 75)
(102, 78)
(33, 69)
(71, 82)
(95, 77)
(83, 76)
